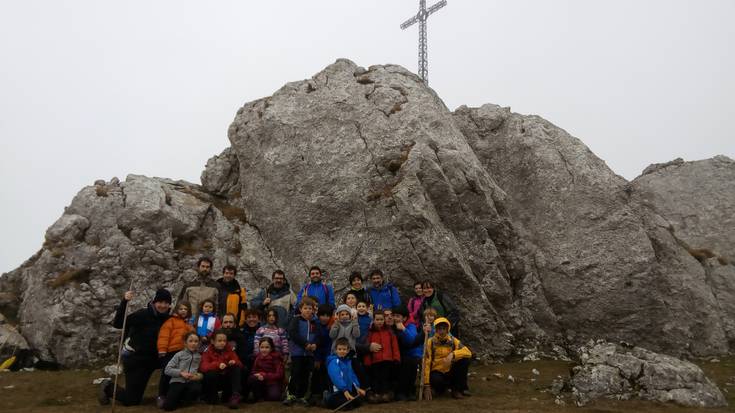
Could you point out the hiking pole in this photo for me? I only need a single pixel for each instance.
(119, 349)
(348, 401)
(421, 369)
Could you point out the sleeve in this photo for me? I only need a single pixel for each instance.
(243, 299)
(276, 375)
(172, 369)
(256, 340)
(451, 308)
(355, 332)
(207, 364)
(395, 297)
(335, 376)
(284, 342)
(117, 322)
(334, 331)
(257, 301)
(427, 362)
(330, 292)
(299, 297)
(461, 351)
(164, 336)
(293, 332)
(408, 335)
(233, 356)
(363, 346)
(396, 349)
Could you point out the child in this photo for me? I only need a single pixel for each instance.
(414, 305)
(411, 345)
(346, 327)
(171, 341)
(381, 362)
(363, 319)
(430, 315)
(276, 334)
(446, 362)
(222, 371)
(350, 299)
(320, 379)
(345, 385)
(206, 323)
(303, 338)
(182, 369)
(266, 376)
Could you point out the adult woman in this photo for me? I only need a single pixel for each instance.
(357, 288)
(443, 305)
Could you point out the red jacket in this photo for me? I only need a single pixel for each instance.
(271, 366)
(390, 350)
(212, 358)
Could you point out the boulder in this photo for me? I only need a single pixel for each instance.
(612, 371)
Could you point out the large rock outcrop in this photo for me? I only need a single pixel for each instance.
(354, 169)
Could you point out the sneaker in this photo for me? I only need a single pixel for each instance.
(385, 398)
(160, 401)
(289, 400)
(234, 401)
(466, 393)
(302, 401)
(103, 393)
(373, 398)
(457, 395)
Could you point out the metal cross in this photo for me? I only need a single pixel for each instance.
(421, 17)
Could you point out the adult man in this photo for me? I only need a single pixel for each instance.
(277, 296)
(317, 288)
(382, 295)
(141, 352)
(200, 289)
(232, 298)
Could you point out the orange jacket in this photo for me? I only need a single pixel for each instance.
(171, 334)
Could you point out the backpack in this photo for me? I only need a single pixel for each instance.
(234, 300)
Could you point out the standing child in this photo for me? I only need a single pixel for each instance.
(266, 376)
(346, 326)
(350, 299)
(380, 363)
(345, 385)
(205, 323)
(222, 371)
(276, 334)
(411, 344)
(171, 341)
(414, 305)
(430, 315)
(320, 379)
(182, 369)
(303, 338)
(363, 319)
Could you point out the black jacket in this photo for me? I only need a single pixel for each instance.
(451, 312)
(142, 328)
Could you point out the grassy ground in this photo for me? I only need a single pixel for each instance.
(73, 391)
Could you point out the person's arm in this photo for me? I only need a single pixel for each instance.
(257, 300)
(276, 375)
(396, 349)
(164, 336)
(172, 367)
(256, 340)
(334, 331)
(208, 363)
(462, 352)
(117, 322)
(293, 333)
(336, 376)
(427, 363)
(355, 331)
(283, 338)
(451, 309)
(330, 299)
(233, 356)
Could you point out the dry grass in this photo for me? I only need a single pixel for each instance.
(76, 275)
(72, 391)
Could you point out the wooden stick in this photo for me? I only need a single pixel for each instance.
(119, 349)
(348, 402)
(421, 370)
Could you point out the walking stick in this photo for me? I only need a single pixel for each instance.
(341, 406)
(119, 350)
(421, 369)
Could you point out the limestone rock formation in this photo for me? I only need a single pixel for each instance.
(611, 371)
(355, 169)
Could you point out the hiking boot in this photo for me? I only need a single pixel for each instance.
(234, 401)
(466, 393)
(457, 395)
(373, 398)
(103, 393)
(386, 397)
(302, 401)
(289, 400)
(160, 401)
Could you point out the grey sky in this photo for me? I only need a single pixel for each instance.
(96, 89)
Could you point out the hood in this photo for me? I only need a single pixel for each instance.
(442, 320)
(332, 357)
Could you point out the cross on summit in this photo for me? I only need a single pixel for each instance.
(421, 17)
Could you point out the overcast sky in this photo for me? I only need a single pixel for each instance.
(95, 89)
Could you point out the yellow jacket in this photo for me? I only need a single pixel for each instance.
(438, 349)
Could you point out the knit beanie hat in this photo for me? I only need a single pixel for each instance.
(162, 295)
(343, 307)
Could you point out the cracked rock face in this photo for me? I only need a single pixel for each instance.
(611, 371)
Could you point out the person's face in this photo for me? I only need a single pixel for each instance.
(192, 342)
(182, 311)
(418, 290)
(398, 318)
(388, 318)
(162, 306)
(315, 276)
(428, 290)
(265, 347)
(351, 300)
(207, 307)
(430, 318)
(379, 320)
(228, 275)
(441, 330)
(356, 284)
(377, 280)
(271, 319)
(324, 319)
(279, 280)
(204, 268)
(252, 320)
(362, 308)
(342, 351)
(220, 341)
(344, 316)
(307, 312)
(228, 322)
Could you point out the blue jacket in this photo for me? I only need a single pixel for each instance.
(323, 292)
(300, 333)
(325, 343)
(406, 342)
(385, 297)
(341, 374)
(364, 321)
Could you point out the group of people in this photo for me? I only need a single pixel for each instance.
(368, 346)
